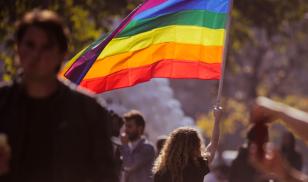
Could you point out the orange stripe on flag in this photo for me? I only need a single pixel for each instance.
(153, 54)
(161, 69)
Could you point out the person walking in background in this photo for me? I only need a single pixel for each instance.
(138, 154)
(160, 143)
(241, 170)
(184, 158)
(55, 132)
(117, 124)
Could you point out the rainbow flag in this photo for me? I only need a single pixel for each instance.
(159, 39)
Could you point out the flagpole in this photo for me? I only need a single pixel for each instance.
(225, 50)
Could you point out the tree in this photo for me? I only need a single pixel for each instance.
(260, 48)
(87, 20)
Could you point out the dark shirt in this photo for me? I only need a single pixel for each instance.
(294, 158)
(191, 173)
(242, 171)
(138, 162)
(38, 141)
(62, 138)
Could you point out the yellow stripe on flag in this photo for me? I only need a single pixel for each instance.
(178, 34)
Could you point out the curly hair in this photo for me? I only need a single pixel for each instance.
(182, 146)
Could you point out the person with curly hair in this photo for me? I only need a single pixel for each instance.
(184, 156)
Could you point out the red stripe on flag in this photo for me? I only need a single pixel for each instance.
(161, 69)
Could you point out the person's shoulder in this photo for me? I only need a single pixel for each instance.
(7, 93)
(162, 176)
(298, 155)
(243, 150)
(148, 143)
(204, 164)
(241, 157)
(5, 85)
(82, 94)
(148, 146)
(203, 160)
(75, 90)
(145, 144)
(5, 88)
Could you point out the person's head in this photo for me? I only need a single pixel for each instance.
(160, 143)
(258, 134)
(42, 43)
(117, 123)
(184, 145)
(134, 124)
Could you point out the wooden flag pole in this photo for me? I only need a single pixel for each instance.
(223, 66)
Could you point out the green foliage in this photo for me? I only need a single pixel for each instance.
(10, 68)
(270, 14)
(87, 20)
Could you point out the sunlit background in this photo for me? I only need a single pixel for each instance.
(267, 55)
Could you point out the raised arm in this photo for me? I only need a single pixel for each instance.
(212, 146)
(294, 119)
(275, 165)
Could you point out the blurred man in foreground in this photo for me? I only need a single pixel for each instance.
(56, 134)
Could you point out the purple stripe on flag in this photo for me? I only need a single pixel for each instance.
(150, 4)
(81, 66)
